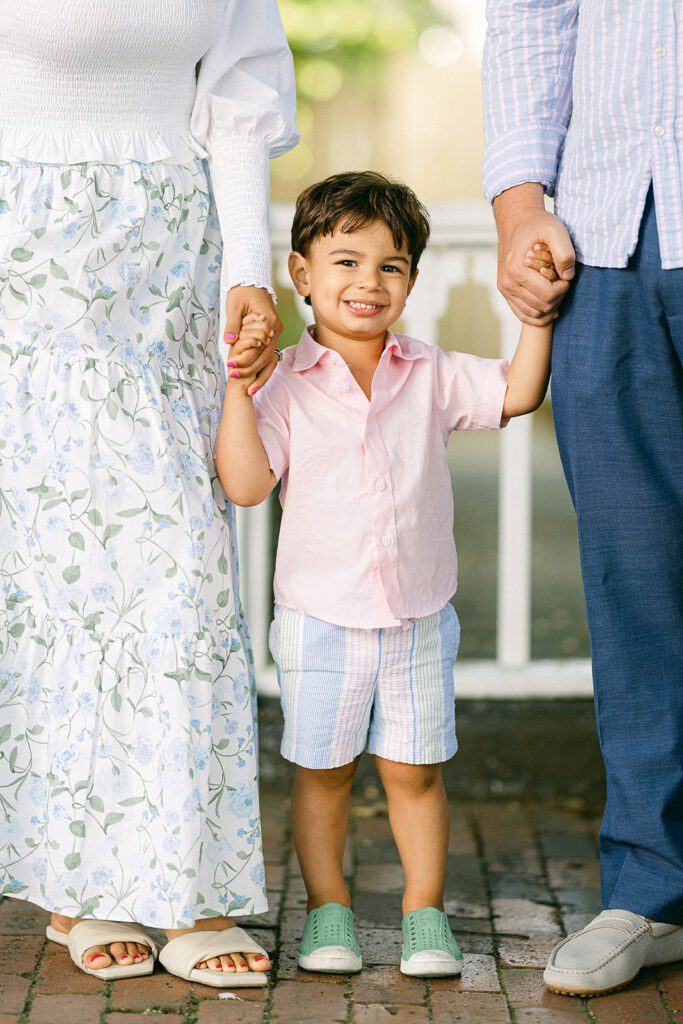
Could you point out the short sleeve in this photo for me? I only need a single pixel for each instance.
(245, 114)
(470, 391)
(271, 405)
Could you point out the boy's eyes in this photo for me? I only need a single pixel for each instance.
(385, 266)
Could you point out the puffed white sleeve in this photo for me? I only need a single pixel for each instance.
(244, 114)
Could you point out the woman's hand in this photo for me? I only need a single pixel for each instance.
(254, 342)
(246, 307)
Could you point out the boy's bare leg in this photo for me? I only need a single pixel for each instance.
(418, 815)
(320, 817)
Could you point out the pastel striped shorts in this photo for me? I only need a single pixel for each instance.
(388, 691)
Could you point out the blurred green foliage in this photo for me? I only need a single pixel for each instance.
(331, 39)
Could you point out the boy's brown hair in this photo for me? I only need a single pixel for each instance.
(354, 199)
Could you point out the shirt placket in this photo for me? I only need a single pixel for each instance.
(664, 57)
(381, 494)
(346, 389)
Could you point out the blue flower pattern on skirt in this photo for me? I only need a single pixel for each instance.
(128, 784)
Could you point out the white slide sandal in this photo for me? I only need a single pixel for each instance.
(102, 933)
(180, 955)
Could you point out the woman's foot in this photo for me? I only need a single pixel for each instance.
(231, 963)
(98, 957)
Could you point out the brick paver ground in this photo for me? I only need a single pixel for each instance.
(520, 876)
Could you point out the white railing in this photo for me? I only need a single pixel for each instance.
(462, 250)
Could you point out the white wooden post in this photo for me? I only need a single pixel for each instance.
(254, 540)
(440, 271)
(513, 643)
(513, 626)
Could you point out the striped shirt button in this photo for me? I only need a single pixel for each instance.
(659, 130)
(380, 485)
(661, 51)
(387, 541)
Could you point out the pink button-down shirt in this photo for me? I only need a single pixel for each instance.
(367, 529)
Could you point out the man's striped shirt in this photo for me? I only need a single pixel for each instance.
(586, 97)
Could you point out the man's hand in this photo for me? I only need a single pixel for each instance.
(523, 222)
(246, 306)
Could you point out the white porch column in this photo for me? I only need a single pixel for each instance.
(513, 632)
(254, 541)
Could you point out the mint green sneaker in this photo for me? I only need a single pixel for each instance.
(329, 942)
(429, 949)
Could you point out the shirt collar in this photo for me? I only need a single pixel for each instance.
(309, 352)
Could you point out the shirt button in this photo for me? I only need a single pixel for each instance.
(661, 51)
(659, 130)
(344, 388)
(387, 541)
(380, 485)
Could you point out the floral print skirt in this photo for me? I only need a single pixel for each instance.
(128, 785)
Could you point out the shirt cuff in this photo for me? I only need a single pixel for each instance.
(240, 174)
(531, 153)
(489, 415)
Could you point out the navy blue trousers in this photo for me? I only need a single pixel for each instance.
(617, 390)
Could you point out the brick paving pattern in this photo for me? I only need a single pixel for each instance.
(520, 877)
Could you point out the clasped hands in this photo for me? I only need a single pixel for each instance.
(532, 239)
(253, 329)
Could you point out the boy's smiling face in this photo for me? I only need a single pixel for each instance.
(357, 281)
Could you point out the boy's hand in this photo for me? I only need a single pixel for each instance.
(540, 258)
(254, 345)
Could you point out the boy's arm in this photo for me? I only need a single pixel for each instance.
(241, 460)
(529, 371)
(530, 367)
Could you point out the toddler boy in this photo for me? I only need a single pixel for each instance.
(355, 423)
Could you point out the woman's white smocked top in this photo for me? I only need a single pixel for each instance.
(121, 80)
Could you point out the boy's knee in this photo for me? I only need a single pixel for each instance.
(329, 778)
(412, 779)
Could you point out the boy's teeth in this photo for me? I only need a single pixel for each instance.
(363, 305)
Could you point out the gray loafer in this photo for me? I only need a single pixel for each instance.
(609, 952)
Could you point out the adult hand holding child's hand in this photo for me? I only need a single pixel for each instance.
(248, 308)
(522, 223)
(253, 355)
